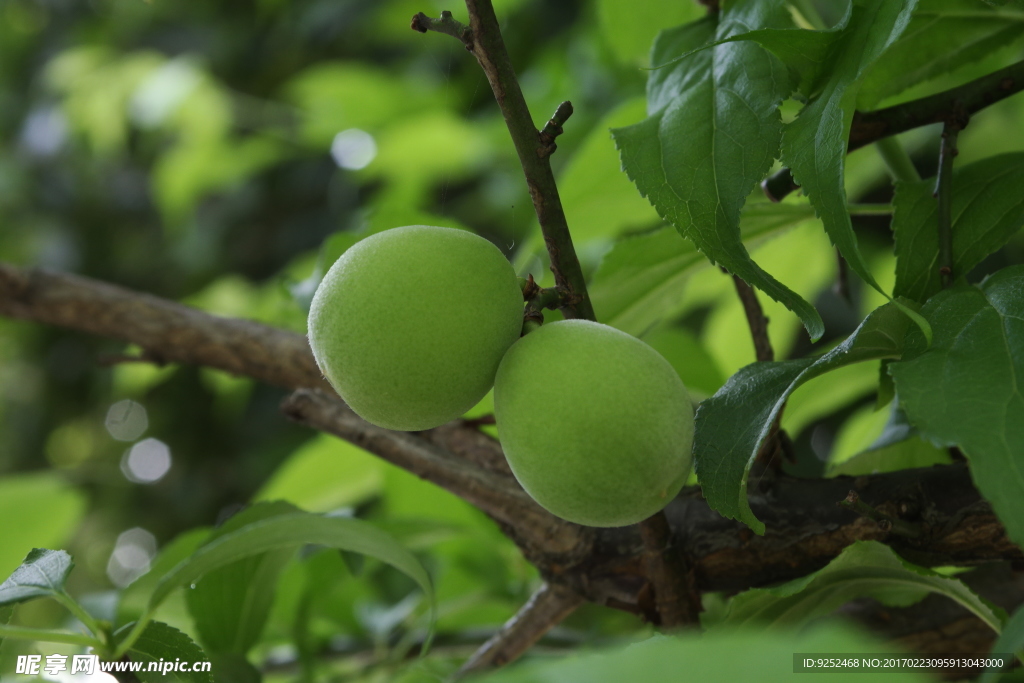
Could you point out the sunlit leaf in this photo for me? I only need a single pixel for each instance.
(42, 574)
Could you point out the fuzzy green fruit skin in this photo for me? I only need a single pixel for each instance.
(410, 324)
(595, 424)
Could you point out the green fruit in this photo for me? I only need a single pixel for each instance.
(596, 425)
(410, 324)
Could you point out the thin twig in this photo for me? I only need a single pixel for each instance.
(553, 128)
(756, 319)
(944, 194)
(447, 24)
(868, 127)
(545, 609)
(842, 286)
(485, 42)
(675, 591)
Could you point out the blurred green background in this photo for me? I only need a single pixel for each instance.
(223, 154)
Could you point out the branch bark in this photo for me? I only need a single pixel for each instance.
(545, 609)
(483, 39)
(806, 528)
(955, 103)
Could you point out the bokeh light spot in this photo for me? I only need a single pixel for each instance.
(353, 149)
(127, 420)
(134, 550)
(147, 461)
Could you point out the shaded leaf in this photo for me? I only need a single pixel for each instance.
(230, 604)
(746, 655)
(897, 447)
(731, 425)
(1010, 640)
(713, 132)
(814, 145)
(42, 574)
(288, 531)
(864, 569)
(988, 208)
(165, 644)
(942, 37)
(965, 390)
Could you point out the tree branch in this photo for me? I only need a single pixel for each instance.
(805, 527)
(952, 104)
(676, 597)
(167, 331)
(756, 319)
(497, 495)
(533, 148)
(545, 609)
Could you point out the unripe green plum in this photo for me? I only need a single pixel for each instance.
(410, 324)
(595, 424)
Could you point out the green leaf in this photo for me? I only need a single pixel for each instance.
(897, 447)
(732, 424)
(41, 511)
(988, 208)
(1010, 640)
(42, 574)
(598, 199)
(6, 613)
(629, 28)
(325, 474)
(690, 359)
(864, 569)
(165, 644)
(966, 391)
(713, 132)
(287, 531)
(230, 604)
(641, 279)
(814, 145)
(134, 599)
(234, 668)
(759, 655)
(942, 37)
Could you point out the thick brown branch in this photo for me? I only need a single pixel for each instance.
(806, 529)
(168, 332)
(495, 493)
(676, 597)
(545, 609)
(485, 42)
(953, 104)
